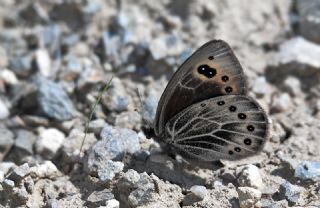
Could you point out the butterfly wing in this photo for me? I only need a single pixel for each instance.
(213, 70)
(226, 127)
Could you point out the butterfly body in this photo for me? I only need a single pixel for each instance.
(204, 112)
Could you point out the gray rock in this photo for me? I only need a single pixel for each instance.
(25, 140)
(22, 195)
(33, 13)
(69, 13)
(114, 144)
(72, 144)
(249, 197)
(143, 193)
(44, 170)
(309, 19)
(129, 120)
(150, 107)
(250, 176)
(6, 142)
(308, 170)
(8, 184)
(53, 203)
(4, 59)
(4, 110)
(291, 193)
(21, 65)
(116, 99)
(96, 126)
(19, 173)
(53, 101)
(109, 169)
(99, 198)
(129, 179)
(197, 193)
(142, 155)
(49, 142)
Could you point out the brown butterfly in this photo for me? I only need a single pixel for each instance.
(204, 113)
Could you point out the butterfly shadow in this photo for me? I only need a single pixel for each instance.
(175, 171)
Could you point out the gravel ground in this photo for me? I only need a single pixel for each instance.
(56, 56)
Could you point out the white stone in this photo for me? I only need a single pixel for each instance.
(49, 142)
(43, 62)
(249, 197)
(293, 85)
(45, 170)
(8, 76)
(113, 203)
(1, 176)
(199, 191)
(4, 111)
(282, 103)
(250, 176)
(298, 50)
(5, 167)
(260, 86)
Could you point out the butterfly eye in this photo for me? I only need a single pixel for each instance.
(228, 89)
(225, 78)
(221, 103)
(207, 71)
(247, 141)
(211, 57)
(250, 128)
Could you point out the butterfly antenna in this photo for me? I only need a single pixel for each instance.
(105, 88)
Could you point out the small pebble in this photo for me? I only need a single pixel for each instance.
(281, 103)
(44, 170)
(249, 197)
(96, 126)
(112, 203)
(260, 86)
(114, 143)
(4, 110)
(250, 176)
(25, 140)
(108, 170)
(6, 142)
(199, 191)
(291, 193)
(98, 198)
(19, 173)
(49, 142)
(308, 170)
(43, 62)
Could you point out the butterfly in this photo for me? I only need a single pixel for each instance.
(204, 113)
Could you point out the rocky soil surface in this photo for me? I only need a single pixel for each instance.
(56, 56)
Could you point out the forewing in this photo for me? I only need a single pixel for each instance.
(227, 127)
(213, 70)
